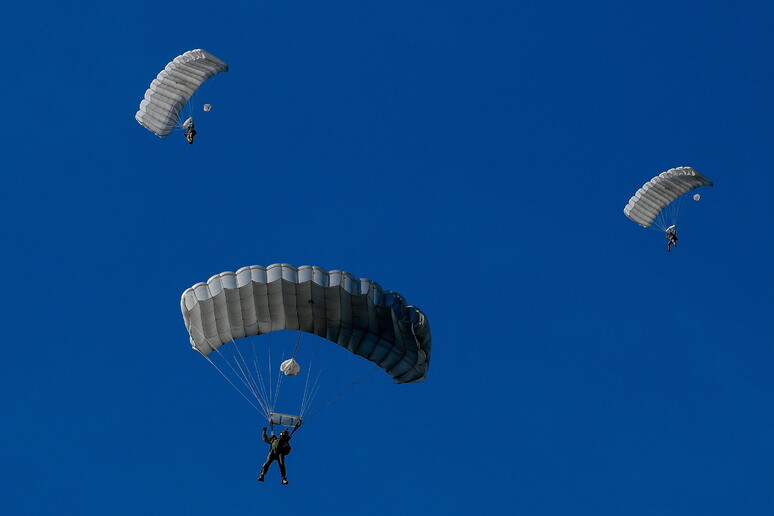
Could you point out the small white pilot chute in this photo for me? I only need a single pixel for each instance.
(696, 197)
(290, 367)
(207, 107)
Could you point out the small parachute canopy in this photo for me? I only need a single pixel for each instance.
(207, 107)
(696, 197)
(173, 88)
(659, 192)
(290, 367)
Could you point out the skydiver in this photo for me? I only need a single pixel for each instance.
(280, 446)
(671, 235)
(190, 132)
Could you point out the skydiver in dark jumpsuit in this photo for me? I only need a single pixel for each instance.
(190, 132)
(671, 235)
(280, 446)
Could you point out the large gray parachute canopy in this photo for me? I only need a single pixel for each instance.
(173, 88)
(659, 192)
(353, 313)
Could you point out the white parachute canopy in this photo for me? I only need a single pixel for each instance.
(290, 367)
(647, 204)
(207, 107)
(239, 320)
(696, 197)
(173, 88)
(378, 325)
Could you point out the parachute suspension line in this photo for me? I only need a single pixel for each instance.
(297, 343)
(195, 101)
(670, 215)
(243, 378)
(310, 390)
(244, 368)
(301, 332)
(261, 382)
(678, 204)
(338, 395)
(262, 410)
(271, 343)
(276, 391)
(186, 112)
(308, 396)
(213, 348)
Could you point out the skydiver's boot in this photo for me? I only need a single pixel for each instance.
(284, 481)
(260, 479)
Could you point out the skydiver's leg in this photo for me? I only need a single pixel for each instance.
(269, 460)
(281, 462)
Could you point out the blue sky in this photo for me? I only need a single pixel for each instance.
(473, 156)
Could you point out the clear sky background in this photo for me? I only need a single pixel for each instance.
(473, 156)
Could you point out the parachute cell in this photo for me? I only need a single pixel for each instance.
(173, 88)
(659, 192)
(353, 313)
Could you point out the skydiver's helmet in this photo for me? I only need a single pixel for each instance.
(284, 433)
(671, 230)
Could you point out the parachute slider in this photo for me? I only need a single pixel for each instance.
(287, 420)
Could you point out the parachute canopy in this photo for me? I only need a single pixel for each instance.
(353, 313)
(659, 192)
(173, 88)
